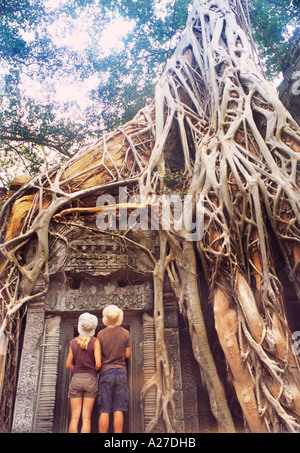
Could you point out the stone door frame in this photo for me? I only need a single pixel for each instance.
(135, 372)
(33, 392)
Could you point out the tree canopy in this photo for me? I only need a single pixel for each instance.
(50, 48)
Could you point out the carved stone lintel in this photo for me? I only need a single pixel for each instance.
(97, 296)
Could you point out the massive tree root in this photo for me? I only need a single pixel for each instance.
(217, 120)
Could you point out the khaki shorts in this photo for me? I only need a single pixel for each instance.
(83, 385)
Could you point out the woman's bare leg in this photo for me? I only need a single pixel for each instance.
(87, 408)
(76, 404)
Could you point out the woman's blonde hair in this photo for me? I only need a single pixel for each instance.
(83, 341)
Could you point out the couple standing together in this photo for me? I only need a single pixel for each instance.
(107, 353)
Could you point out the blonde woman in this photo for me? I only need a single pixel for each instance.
(84, 360)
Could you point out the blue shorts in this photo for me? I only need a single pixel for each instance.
(113, 391)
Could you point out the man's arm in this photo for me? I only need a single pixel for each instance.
(127, 353)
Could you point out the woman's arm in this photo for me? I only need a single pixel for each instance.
(69, 361)
(97, 354)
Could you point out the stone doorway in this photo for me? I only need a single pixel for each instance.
(133, 419)
(90, 275)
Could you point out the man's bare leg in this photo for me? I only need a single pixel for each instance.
(118, 422)
(103, 422)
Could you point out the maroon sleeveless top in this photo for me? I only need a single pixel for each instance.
(84, 359)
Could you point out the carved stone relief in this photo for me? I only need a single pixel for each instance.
(95, 296)
(100, 254)
(99, 257)
(100, 266)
